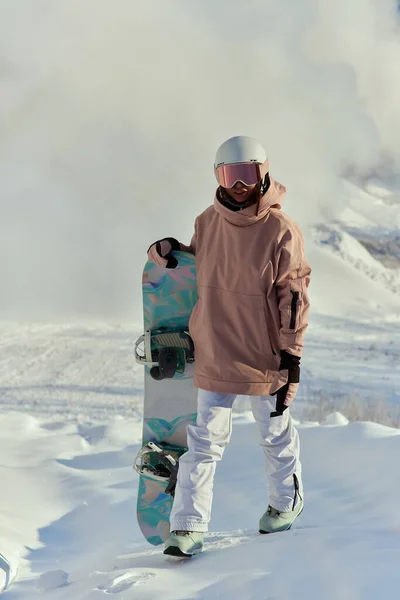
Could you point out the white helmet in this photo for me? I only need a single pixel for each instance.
(240, 149)
(241, 158)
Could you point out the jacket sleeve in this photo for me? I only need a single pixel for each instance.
(192, 246)
(293, 278)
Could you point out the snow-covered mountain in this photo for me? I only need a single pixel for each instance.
(356, 257)
(353, 343)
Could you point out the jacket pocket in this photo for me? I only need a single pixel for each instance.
(230, 333)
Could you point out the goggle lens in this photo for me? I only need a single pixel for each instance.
(247, 173)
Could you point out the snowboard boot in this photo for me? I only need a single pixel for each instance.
(273, 520)
(184, 543)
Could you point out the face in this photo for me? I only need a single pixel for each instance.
(240, 191)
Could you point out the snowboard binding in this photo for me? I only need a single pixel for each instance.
(159, 463)
(165, 353)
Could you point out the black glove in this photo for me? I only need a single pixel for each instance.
(286, 394)
(160, 252)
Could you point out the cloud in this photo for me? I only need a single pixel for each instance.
(110, 116)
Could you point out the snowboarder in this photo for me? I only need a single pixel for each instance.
(248, 329)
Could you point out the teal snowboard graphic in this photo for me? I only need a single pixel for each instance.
(170, 399)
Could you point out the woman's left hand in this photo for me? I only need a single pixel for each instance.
(285, 394)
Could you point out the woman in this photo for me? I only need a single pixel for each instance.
(248, 329)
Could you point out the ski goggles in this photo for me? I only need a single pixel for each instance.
(247, 173)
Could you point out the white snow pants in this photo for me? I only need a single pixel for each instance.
(207, 441)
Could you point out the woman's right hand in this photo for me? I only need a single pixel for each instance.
(160, 252)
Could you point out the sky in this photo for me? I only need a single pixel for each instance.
(111, 113)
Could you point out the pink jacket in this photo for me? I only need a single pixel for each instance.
(252, 280)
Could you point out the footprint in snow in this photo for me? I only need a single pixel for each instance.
(229, 538)
(123, 582)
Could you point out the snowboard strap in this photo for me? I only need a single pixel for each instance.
(165, 353)
(158, 463)
(144, 357)
(167, 364)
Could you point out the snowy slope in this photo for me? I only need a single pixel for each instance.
(81, 521)
(372, 216)
(345, 285)
(350, 256)
(68, 490)
(353, 343)
(376, 207)
(69, 371)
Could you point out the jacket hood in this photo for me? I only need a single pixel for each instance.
(273, 198)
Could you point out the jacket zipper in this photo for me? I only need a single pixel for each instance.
(293, 309)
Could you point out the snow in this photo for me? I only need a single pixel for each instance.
(336, 418)
(339, 288)
(69, 370)
(78, 535)
(371, 206)
(52, 579)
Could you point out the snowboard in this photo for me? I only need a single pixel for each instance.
(170, 398)
(8, 568)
